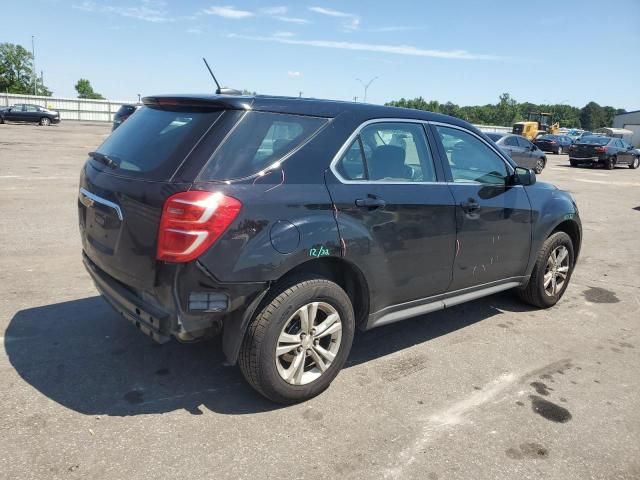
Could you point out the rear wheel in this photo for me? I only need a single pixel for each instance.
(635, 163)
(1, 120)
(560, 150)
(573, 163)
(45, 122)
(540, 164)
(297, 344)
(551, 273)
(610, 163)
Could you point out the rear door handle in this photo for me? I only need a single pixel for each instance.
(370, 202)
(470, 206)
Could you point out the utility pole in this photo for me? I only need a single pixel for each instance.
(300, 94)
(355, 99)
(33, 65)
(366, 87)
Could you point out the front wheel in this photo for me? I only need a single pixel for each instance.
(634, 164)
(45, 122)
(551, 273)
(297, 344)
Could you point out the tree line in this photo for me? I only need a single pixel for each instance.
(508, 111)
(17, 75)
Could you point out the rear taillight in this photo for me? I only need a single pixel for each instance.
(600, 149)
(553, 142)
(191, 222)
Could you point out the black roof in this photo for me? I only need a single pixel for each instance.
(301, 106)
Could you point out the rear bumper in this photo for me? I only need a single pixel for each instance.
(586, 159)
(167, 313)
(151, 319)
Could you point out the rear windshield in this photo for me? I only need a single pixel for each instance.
(546, 137)
(594, 140)
(494, 136)
(259, 140)
(153, 143)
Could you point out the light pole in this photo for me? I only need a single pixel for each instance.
(33, 65)
(366, 87)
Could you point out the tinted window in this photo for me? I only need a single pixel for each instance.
(619, 144)
(495, 136)
(397, 152)
(17, 108)
(351, 165)
(153, 143)
(510, 141)
(594, 140)
(471, 160)
(31, 108)
(258, 141)
(524, 143)
(126, 110)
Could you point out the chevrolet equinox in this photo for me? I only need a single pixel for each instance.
(285, 223)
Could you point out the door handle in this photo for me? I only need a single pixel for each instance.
(370, 202)
(470, 206)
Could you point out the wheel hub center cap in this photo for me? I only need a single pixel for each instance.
(307, 341)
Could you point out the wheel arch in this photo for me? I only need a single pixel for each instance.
(344, 273)
(571, 228)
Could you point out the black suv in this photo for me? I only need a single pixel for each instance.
(285, 223)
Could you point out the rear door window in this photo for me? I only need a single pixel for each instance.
(259, 141)
(154, 142)
(511, 141)
(524, 143)
(388, 152)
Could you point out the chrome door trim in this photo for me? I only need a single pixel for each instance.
(88, 199)
(343, 149)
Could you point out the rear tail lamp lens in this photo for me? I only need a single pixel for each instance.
(191, 222)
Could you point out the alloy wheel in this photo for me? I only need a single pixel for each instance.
(556, 271)
(308, 343)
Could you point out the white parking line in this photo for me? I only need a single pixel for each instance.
(622, 184)
(18, 177)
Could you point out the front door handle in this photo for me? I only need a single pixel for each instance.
(370, 202)
(470, 206)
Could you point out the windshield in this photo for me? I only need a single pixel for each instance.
(595, 140)
(153, 143)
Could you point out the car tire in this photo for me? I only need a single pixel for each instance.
(634, 163)
(610, 163)
(294, 375)
(573, 163)
(560, 150)
(45, 121)
(540, 164)
(1, 120)
(543, 290)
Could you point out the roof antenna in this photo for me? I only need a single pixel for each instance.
(220, 90)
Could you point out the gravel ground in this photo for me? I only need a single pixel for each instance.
(487, 390)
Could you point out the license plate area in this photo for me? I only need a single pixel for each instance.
(101, 221)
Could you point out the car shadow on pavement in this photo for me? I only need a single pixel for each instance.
(83, 356)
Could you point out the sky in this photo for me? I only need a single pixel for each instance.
(464, 51)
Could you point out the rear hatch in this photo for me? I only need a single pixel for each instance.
(124, 184)
(584, 151)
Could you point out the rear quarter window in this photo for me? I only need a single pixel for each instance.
(258, 141)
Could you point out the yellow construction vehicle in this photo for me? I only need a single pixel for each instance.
(536, 124)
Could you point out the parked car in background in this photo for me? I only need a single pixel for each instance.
(124, 112)
(23, 112)
(521, 150)
(603, 151)
(285, 224)
(553, 143)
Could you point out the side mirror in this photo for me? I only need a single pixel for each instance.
(524, 176)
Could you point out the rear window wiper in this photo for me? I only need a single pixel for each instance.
(106, 159)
